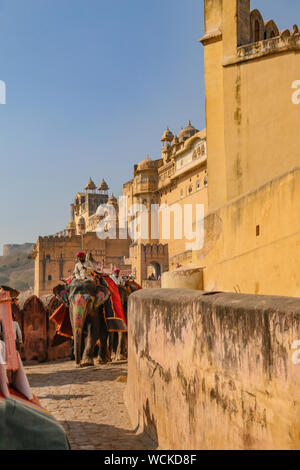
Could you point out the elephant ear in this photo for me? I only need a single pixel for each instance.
(62, 293)
(102, 295)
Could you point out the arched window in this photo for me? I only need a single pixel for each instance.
(257, 26)
(271, 30)
(198, 185)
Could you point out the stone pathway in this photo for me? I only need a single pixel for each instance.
(88, 403)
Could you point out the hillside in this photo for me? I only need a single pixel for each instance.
(16, 270)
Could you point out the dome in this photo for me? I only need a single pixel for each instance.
(146, 164)
(168, 136)
(71, 226)
(187, 132)
(90, 185)
(103, 186)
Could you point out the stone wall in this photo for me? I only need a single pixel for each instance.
(214, 371)
(151, 284)
(55, 257)
(183, 278)
(252, 244)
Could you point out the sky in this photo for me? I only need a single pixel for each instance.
(91, 87)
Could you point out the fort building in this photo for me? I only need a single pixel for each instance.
(250, 159)
(55, 256)
(175, 180)
(252, 231)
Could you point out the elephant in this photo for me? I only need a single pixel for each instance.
(118, 341)
(85, 302)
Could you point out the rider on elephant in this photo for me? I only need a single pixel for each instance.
(83, 267)
(117, 278)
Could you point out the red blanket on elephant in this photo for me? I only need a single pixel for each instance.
(61, 318)
(114, 314)
(132, 286)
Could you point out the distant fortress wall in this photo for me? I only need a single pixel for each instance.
(13, 248)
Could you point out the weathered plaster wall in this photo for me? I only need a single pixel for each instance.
(183, 278)
(214, 371)
(250, 116)
(252, 244)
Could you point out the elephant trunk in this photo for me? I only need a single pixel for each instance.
(79, 316)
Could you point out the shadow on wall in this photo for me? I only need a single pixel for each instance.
(226, 361)
(150, 427)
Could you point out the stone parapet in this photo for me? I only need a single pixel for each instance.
(183, 278)
(214, 371)
(280, 44)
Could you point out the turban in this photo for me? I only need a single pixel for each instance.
(116, 271)
(80, 255)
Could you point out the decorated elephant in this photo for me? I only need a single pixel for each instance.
(117, 344)
(85, 300)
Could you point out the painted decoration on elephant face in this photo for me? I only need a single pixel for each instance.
(79, 308)
(100, 294)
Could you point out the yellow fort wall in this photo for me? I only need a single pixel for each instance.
(252, 244)
(253, 156)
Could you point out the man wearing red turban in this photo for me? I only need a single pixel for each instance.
(82, 267)
(117, 278)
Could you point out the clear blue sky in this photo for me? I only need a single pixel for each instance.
(91, 86)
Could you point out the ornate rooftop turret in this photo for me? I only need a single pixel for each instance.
(167, 137)
(113, 200)
(175, 141)
(146, 164)
(187, 132)
(71, 229)
(103, 186)
(90, 185)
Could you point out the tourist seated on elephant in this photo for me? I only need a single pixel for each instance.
(83, 267)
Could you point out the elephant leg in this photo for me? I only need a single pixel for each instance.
(118, 352)
(92, 335)
(124, 346)
(110, 346)
(103, 356)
